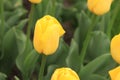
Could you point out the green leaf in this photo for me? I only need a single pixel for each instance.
(16, 78)
(116, 26)
(98, 45)
(101, 65)
(72, 59)
(21, 39)
(103, 23)
(7, 5)
(3, 76)
(12, 43)
(38, 10)
(30, 62)
(50, 8)
(94, 77)
(22, 23)
(82, 29)
(26, 62)
(58, 9)
(23, 51)
(10, 5)
(80, 5)
(15, 17)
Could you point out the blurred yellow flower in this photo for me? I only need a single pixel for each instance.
(35, 1)
(115, 48)
(115, 73)
(46, 35)
(99, 7)
(64, 74)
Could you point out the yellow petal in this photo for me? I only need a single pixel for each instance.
(61, 30)
(118, 76)
(35, 1)
(46, 35)
(37, 37)
(64, 74)
(115, 48)
(48, 21)
(99, 7)
(102, 7)
(91, 4)
(51, 21)
(50, 40)
(115, 73)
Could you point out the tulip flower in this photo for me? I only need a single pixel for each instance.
(115, 48)
(46, 35)
(99, 7)
(35, 1)
(115, 73)
(64, 74)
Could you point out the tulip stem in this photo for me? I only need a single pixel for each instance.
(41, 72)
(111, 22)
(25, 76)
(1, 26)
(30, 21)
(29, 28)
(87, 39)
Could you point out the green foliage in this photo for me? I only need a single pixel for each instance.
(116, 28)
(82, 29)
(3, 76)
(73, 59)
(16, 37)
(101, 65)
(16, 78)
(94, 77)
(26, 63)
(11, 48)
(98, 45)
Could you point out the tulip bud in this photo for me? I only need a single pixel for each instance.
(99, 7)
(35, 1)
(115, 73)
(64, 74)
(46, 35)
(115, 48)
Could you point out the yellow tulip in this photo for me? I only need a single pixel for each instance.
(35, 1)
(115, 48)
(64, 74)
(99, 7)
(46, 35)
(115, 73)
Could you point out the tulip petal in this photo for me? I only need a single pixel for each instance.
(35, 1)
(114, 73)
(118, 76)
(102, 7)
(51, 20)
(48, 21)
(64, 74)
(37, 37)
(91, 4)
(115, 48)
(46, 35)
(61, 30)
(50, 40)
(99, 7)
